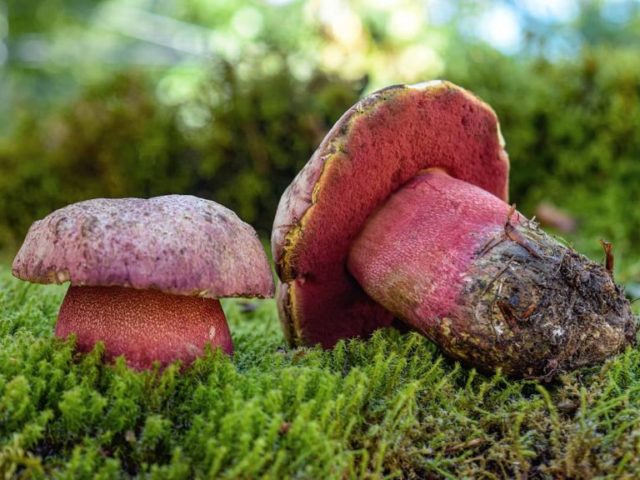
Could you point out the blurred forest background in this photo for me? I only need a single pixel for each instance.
(228, 99)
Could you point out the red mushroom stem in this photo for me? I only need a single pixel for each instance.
(461, 266)
(143, 325)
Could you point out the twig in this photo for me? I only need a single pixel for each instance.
(515, 236)
(608, 253)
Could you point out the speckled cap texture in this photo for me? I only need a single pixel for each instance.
(177, 244)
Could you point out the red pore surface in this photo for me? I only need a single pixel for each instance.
(143, 325)
(413, 254)
(377, 146)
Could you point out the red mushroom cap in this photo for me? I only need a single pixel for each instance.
(378, 145)
(176, 244)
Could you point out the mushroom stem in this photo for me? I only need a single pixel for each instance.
(143, 325)
(459, 265)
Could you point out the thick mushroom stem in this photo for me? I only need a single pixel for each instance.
(459, 265)
(143, 325)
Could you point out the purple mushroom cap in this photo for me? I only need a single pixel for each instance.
(177, 244)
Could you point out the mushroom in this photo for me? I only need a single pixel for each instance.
(146, 274)
(401, 217)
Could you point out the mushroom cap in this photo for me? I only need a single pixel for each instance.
(176, 244)
(378, 145)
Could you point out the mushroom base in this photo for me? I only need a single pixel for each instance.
(143, 325)
(489, 287)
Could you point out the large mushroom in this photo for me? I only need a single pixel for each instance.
(401, 214)
(146, 274)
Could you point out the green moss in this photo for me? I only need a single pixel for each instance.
(388, 407)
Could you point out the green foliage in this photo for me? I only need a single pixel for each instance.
(389, 407)
(117, 140)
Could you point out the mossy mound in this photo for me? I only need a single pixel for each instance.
(388, 407)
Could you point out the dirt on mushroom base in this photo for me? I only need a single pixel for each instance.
(537, 308)
(464, 268)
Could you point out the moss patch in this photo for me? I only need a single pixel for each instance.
(388, 407)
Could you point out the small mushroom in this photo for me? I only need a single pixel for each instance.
(146, 274)
(402, 215)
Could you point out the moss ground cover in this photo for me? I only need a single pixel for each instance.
(390, 407)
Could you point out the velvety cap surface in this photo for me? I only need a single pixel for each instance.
(177, 244)
(376, 147)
